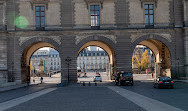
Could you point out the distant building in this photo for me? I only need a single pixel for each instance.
(93, 59)
(50, 58)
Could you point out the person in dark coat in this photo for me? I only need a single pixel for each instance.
(28, 80)
(41, 79)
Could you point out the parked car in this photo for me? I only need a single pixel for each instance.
(97, 78)
(163, 82)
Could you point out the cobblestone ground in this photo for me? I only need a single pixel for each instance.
(79, 99)
(177, 97)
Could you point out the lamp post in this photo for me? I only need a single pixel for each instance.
(11, 79)
(83, 66)
(68, 60)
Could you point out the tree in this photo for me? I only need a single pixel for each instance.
(145, 61)
(141, 59)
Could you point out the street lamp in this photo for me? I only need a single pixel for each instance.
(68, 60)
(10, 78)
(83, 66)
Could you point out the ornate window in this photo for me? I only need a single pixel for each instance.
(149, 15)
(40, 17)
(95, 16)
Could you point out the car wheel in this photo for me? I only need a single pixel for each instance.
(119, 83)
(100, 81)
(154, 86)
(132, 83)
(171, 87)
(157, 86)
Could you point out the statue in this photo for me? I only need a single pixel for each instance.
(41, 66)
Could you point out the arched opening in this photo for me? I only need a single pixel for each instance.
(151, 57)
(41, 59)
(96, 57)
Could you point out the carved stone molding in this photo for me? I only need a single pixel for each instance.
(134, 37)
(39, 2)
(81, 37)
(25, 39)
(143, 1)
(94, 1)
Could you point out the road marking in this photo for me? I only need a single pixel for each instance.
(17, 101)
(146, 103)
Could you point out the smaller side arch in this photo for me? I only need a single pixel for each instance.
(35, 40)
(155, 37)
(162, 49)
(28, 48)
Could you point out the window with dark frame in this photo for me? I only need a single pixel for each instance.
(95, 16)
(40, 17)
(149, 15)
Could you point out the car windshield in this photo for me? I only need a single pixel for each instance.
(165, 78)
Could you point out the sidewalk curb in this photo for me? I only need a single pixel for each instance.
(181, 81)
(5, 89)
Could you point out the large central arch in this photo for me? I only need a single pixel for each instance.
(106, 48)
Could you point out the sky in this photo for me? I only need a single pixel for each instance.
(48, 48)
(45, 48)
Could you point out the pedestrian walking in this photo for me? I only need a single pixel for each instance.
(41, 79)
(28, 80)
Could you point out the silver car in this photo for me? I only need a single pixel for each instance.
(98, 78)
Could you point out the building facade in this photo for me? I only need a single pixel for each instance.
(50, 58)
(117, 26)
(93, 60)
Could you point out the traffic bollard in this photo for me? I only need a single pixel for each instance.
(95, 84)
(83, 83)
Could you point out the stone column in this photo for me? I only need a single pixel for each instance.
(157, 70)
(67, 51)
(186, 51)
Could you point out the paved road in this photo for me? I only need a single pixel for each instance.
(177, 97)
(12, 94)
(79, 99)
(94, 98)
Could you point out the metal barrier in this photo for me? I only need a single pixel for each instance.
(84, 83)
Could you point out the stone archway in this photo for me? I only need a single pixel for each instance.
(107, 49)
(27, 50)
(161, 51)
(103, 42)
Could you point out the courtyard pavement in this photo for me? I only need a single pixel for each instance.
(103, 97)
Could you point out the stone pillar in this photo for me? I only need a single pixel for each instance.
(124, 53)
(186, 51)
(3, 60)
(185, 2)
(68, 51)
